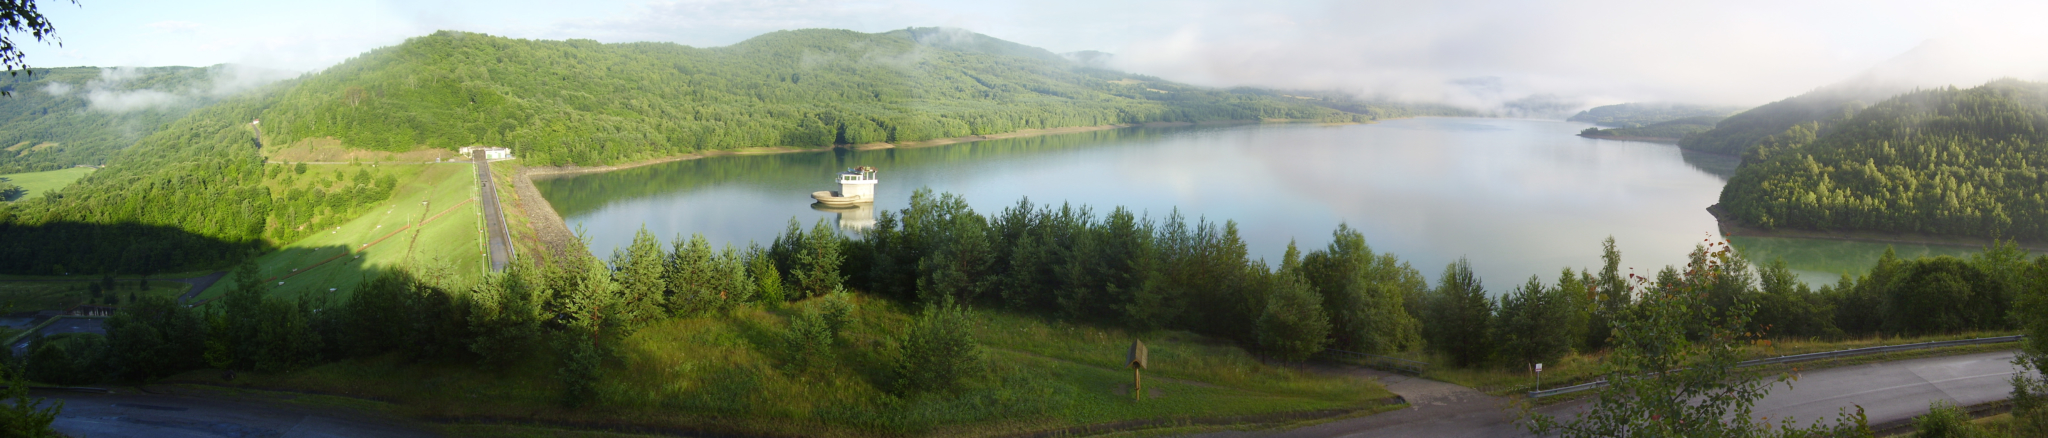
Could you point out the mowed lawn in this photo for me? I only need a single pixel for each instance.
(35, 183)
(451, 241)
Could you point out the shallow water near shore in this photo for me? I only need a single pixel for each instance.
(1517, 197)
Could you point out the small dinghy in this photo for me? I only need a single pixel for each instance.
(856, 186)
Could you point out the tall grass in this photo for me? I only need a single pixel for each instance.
(732, 373)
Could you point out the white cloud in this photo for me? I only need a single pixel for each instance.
(121, 101)
(57, 88)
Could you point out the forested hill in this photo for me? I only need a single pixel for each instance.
(61, 117)
(584, 103)
(1961, 162)
(1737, 133)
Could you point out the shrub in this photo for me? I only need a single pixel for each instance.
(808, 340)
(154, 337)
(1944, 420)
(938, 353)
(582, 367)
(24, 416)
(68, 358)
(1293, 326)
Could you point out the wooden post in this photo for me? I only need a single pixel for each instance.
(1137, 360)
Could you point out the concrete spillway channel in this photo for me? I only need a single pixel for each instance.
(500, 236)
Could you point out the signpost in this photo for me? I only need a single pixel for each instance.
(1137, 360)
(1539, 377)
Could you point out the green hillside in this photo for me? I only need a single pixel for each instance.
(1736, 134)
(1631, 115)
(580, 102)
(196, 192)
(1958, 162)
(60, 117)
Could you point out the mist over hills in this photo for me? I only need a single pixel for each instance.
(1931, 65)
(61, 117)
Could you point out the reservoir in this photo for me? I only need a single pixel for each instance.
(1515, 197)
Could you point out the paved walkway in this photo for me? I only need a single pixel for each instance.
(494, 216)
(1889, 393)
(1436, 409)
(129, 413)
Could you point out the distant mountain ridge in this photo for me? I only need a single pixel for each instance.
(1630, 115)
(1933, 64)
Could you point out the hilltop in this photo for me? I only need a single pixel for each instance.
(579, 102)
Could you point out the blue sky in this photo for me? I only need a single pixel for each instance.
(1733, 52)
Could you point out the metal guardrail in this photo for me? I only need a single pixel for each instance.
(1808, 357)
(1414, 367)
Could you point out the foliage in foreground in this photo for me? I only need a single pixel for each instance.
(1672, 371)
(21, 415)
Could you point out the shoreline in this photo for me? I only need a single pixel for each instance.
(1731, 227)
(555, 171)
(553, 231)
(1629, 138)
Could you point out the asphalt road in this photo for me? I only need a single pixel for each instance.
(1887, 391)
(494, 216)
(135, 414)
(1890, 391)
(1436, 409)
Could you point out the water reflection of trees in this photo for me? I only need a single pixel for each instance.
(578, 194)
(1719, 165)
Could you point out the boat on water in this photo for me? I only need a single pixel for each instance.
(856, 186)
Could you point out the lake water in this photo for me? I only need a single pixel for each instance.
(1516, 197)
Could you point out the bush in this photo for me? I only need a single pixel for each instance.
(1945, 295)
(154, 337)
(24, 416)
(68, 358)
(808, 340)
(1293, 326)
(938, 353)
(1944, 420)
(582, 367)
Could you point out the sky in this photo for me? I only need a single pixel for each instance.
(1724, 52)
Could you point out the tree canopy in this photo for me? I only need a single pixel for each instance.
(1959, 162)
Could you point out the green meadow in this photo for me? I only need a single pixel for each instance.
(332, 262)
(33, 184)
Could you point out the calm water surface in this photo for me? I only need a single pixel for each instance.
(1517, 197)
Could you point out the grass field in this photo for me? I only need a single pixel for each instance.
(50, 295)
(451, 239)
(728, 374)
(35, 183)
